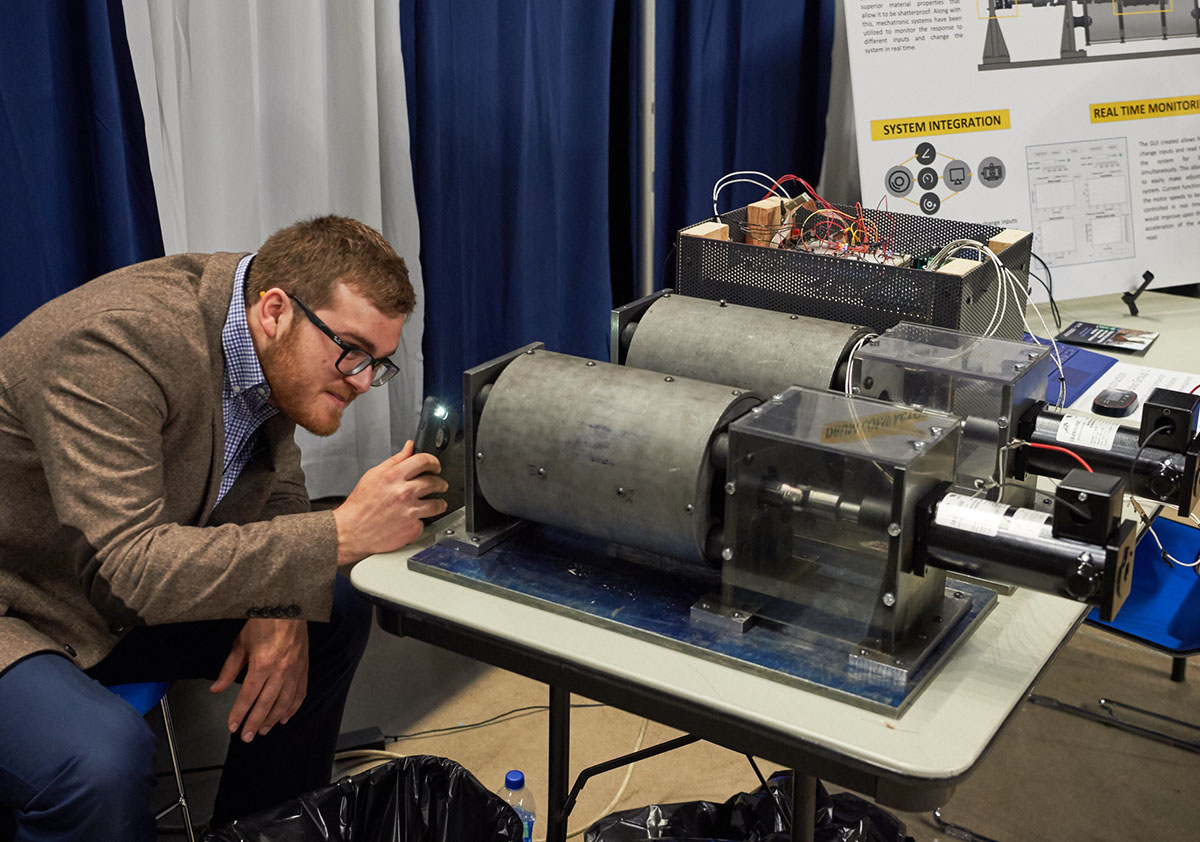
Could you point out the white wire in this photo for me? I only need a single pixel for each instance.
(731, 178)
(1006, 280)
(620, 790)
(1167, 557)
(850, 359)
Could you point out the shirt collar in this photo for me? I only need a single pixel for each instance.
(243, 373)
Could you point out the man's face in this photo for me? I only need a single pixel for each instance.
(300, 365)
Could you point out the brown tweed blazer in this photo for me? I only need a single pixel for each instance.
(111, 449)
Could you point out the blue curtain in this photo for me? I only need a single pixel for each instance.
(523, 117)
(509, 113)
(740, 86)
(77, 198)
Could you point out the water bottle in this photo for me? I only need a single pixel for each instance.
(521, 799)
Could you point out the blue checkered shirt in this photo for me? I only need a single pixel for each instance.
(244, 392)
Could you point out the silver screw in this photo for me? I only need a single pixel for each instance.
(1082, 496)
(935, 431)
(474, 539)
(730, 488)
(669, 379)
(889, 599)
(917, 445)
(737, 393)
(1002, 422)
(727, 554)
(620, 491)
(1033, 355)
(479, 456)
(958, 595)
(591, 363)
(688, 508)
(737, 615)
(541, 472)
(722, 302)
(855, 390)
(449, 531)
(893, 529)
(863, 652)
(530, 351)
(793, 317)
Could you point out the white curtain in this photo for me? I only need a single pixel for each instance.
(262, 112)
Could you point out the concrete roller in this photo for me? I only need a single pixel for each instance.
(609, 451)
(758, 350)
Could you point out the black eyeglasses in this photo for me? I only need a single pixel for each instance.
(353, 360)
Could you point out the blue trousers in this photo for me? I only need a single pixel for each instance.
(76, 761)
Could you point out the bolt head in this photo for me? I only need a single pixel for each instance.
(479, 456)
(449, 531)
(727, 554)
(893, 530)
(591, 363)
(669, 379)
(889, 599)
(1002, 422)
(730, 488)
(1083, 496)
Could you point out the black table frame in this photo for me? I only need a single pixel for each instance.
(808, 760)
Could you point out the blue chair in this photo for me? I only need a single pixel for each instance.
(143, 696)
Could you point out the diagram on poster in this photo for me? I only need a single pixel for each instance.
(1079, 200)
(1089, 138)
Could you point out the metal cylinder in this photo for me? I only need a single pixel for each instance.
(759, 350)
(609, 451)
(1153, 472)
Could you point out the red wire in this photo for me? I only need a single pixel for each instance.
(1194, 388)
(1070, 453)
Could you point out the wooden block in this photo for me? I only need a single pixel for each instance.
(763, 219)
(1005, 239)
(709, 231)
(958, 266)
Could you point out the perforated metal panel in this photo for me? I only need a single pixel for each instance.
(858, 291)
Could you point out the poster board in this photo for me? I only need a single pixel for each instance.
(1077, 121)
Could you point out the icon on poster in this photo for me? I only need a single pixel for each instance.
(926, 153)
(991, 172)
(930, 203)
(927, 178)
(899, 181)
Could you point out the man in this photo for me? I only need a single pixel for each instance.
(154, 523)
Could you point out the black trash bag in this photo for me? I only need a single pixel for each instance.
(411, 799)
(759, 816)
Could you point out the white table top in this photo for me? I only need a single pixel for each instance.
(941, 735)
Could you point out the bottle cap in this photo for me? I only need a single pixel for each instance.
(515, 779)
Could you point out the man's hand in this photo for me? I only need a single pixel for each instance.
(384, 511)
(275, 654)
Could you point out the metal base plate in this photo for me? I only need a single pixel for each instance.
(577, 576)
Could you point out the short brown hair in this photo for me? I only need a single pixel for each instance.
(309, 257)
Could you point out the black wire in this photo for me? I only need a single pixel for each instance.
(515, 713)
(1053, 304)
(1049, 277)
(1166, 428)
(754, 766)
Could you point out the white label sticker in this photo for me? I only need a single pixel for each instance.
(1089, 432)
(1028, 523)
(973, 514)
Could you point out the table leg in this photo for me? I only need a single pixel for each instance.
(804, 807)
(559, 766)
